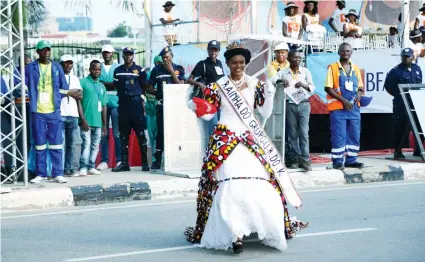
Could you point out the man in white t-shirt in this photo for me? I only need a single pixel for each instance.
(69, 113)
(338, 19)
(170, 32)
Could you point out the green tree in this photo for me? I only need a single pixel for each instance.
(121, 30)
(34, 12)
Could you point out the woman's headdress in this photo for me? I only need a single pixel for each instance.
(237, 48)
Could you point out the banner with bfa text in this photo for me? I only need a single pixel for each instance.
(374, 65)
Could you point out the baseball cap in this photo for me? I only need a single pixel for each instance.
(128, 50)
(65, 58)
(365, 100)
(157, 59)
(407, 52)
(214, 44)
(43, 44)
(164, 51)
(281, 46)
(108, 48)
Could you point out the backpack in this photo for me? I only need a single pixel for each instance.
(197, 91)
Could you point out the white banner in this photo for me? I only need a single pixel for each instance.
(374, 66)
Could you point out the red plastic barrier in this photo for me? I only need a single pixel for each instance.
(134, 157)
(412, 141)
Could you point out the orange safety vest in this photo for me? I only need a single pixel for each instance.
(335, 104)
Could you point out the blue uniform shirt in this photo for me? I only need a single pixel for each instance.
(401, 75)
(129, 81)
(59, 84)
(160, 75)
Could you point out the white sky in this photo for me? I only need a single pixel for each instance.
(105, 15)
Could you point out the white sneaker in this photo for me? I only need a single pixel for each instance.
(102, 166)
(94, 171)
(37, 179)
(83, 172)
(60, 179)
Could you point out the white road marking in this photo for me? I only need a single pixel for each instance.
(97, 209)
(336, 232)
(360, 187)
(160, 250)
(189, 201)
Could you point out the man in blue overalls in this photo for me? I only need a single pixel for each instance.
(47, 86)
(131, 82)
(406, 72)
(168, 73)
(344, 88)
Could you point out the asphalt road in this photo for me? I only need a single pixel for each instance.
(370, 222)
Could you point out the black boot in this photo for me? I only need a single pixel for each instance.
(238, 246)
(158, 159)
(143, 152)
(124, 156)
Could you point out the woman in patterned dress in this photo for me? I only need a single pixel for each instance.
(238, 195)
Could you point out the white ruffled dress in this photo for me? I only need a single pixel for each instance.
(244, 206)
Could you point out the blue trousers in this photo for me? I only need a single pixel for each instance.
(48, 128)
(345, 135)
(70, 132)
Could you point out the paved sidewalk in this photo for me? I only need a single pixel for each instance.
(137, 185)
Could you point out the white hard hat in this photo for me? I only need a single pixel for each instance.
(281, 46)
(108, 48)
(65, 58)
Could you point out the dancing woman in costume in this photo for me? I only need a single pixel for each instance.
(239, 193)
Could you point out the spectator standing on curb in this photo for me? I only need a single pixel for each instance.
(47, 86)
(297, 113)
(92, 111)
(170, 32)
(406, 72)
(168, 73)
(206, 72)
(150, 109)
(107, 79)
(131, 82)
(344, 88)
(69, 112)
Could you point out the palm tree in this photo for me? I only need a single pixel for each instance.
(86, 5)
(33, 11)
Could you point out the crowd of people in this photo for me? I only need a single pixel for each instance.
(60, 105)
(234, 199)
(119, 87)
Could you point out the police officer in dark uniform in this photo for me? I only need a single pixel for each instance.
(405, 73)
(131, 82)
(168, 73)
